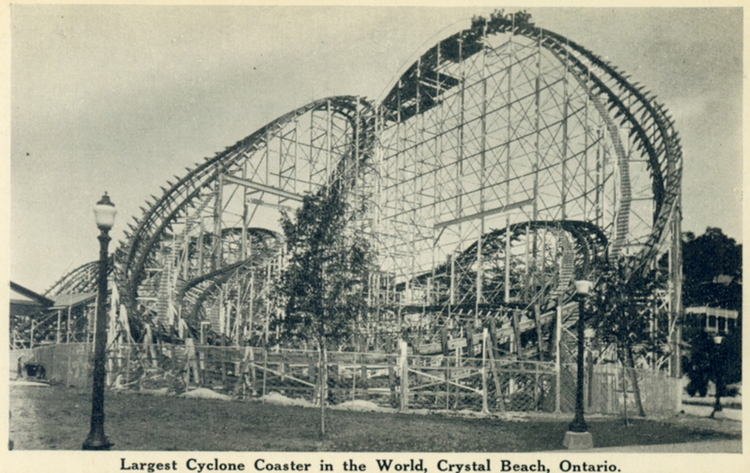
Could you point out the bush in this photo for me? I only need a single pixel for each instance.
(698, 385)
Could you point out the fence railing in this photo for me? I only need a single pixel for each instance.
(402, 381)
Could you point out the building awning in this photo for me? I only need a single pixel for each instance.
(63, 301)
(730, 314)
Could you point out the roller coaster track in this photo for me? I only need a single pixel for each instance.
(193, 289)
(200, 290)
(629, 122)
(577, 258)
(632, 126)
(591, 240)
(80, 280)
(662, 148)
(159, 215)
(192, 294)
(264, 247)
(626, 104)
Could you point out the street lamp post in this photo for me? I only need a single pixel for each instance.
(105, 213)
(578, 436)
(718, 367)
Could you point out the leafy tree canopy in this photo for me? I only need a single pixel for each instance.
(622, 304)
(712, 270)
(323, 286)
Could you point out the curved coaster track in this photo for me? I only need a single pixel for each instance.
(504, 163)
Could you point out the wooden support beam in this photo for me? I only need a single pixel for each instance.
(486, 213)
(262, 187)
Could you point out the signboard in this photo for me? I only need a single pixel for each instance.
(460, 373)
(456, 343)
(427, 348)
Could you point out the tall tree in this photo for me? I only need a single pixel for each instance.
(710, 360)
(623, 300)
(712, 269)
(323, 285)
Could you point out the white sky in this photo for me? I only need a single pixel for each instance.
(122, 98)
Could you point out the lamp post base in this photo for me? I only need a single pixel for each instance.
(102, 443)
(578, 440)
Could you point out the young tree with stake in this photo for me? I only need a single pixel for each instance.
(323, 286)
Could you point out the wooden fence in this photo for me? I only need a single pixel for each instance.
(402, 381)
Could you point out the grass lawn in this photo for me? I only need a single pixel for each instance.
(57, 418)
